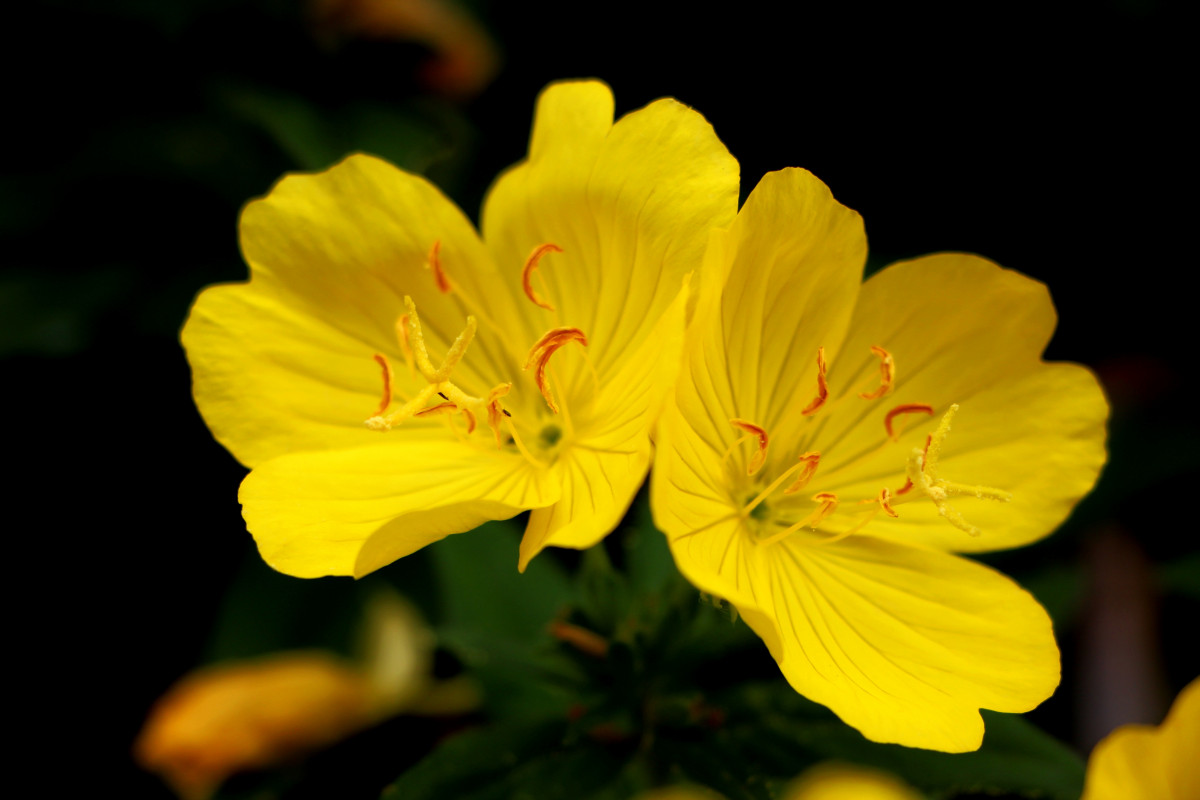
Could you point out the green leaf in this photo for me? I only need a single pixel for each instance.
(773, 732)
(527, 761)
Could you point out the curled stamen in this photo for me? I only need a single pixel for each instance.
(386, 400)
(810, 461)
(540, 354)
(907, 487)
(885, 502)
(822, 386)
(435, 265)
(887, 374)
(760, 455)
(828, 503)
(531, 264)
(907, 408)
(495, 410)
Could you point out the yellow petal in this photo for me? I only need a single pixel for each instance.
(241, 716)
(1138, 762)
(630, 205)
(833, 781)
(779, 286)
(283, 363)
(606, 458)
(903, 644)
(963, 330)
(349, 512)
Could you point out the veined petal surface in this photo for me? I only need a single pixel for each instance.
(283, 363)
(351, 511)
(962, 330)
(630, 204)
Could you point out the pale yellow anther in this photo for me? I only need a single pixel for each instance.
(921, 471)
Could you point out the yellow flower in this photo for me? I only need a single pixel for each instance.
(254, 714)
(1139, 762)
(807, 472)
(834, 781)
(520, 371)
(250, 715)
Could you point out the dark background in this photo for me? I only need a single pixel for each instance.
(1046, 136)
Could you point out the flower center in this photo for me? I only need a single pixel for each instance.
(442, 396)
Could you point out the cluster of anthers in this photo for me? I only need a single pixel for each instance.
(440, 395)
(922, 480)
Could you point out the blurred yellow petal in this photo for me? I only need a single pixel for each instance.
(231, 718)
(832, 781)
(1140, 762)
(349, 512)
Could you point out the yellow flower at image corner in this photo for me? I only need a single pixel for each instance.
(391, 377)
(237, 716)
(833, 444)
(1141, 762)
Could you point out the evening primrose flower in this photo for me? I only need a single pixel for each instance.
(392, 378)
(1139, 762)
(832, 444)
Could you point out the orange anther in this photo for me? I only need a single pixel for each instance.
(386, 400)
(531, 264)
(435, 264)
(760, 455)
(810, 462)
(495, 410)
(908, 484)
(907, 408)
(887, 374)
(829, 504)
(885, 502)
(449, 408)
(822, 386)
(540, 354)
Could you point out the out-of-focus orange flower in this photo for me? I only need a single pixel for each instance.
(465, 57)
(248, 715)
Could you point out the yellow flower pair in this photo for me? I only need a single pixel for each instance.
(824, 446)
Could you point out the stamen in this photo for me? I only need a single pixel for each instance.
(512, 431)
(828, 504)
(885, 502)
(760, 455)
(531, 264)
(449, 408)
(822, 387)
(540, 354)
(810, 461)
(908, 485)
(405, 347)
(887, 374)
(386, 400)
(435, 265)
(494, 409)
(921, 472)
(933, 447)
(907, 408)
